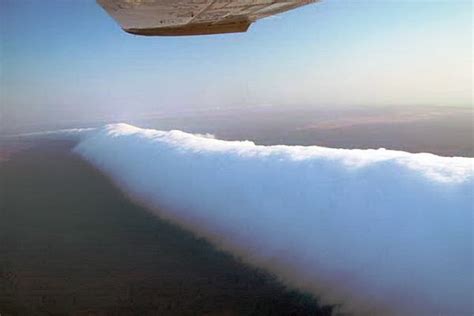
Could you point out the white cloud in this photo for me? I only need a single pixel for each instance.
(376, 230)
(61, 133)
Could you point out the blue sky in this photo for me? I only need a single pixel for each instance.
(70, 59)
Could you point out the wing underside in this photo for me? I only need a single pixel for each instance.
(193, 17)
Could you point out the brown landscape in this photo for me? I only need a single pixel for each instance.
(73, 244)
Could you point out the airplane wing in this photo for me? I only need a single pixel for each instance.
(193, 17)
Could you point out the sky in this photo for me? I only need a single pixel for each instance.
(70, 60)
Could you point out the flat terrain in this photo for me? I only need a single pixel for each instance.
(72, 244)
(440, 130)
(445, 131)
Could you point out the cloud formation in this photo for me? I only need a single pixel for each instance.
(377, 231)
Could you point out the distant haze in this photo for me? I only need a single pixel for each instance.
(441, 130)
(68, 60)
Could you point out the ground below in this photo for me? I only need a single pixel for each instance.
(72, 244)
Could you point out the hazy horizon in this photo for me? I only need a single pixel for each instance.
(64, 61)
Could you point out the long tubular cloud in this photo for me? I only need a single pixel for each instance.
(378, 231)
